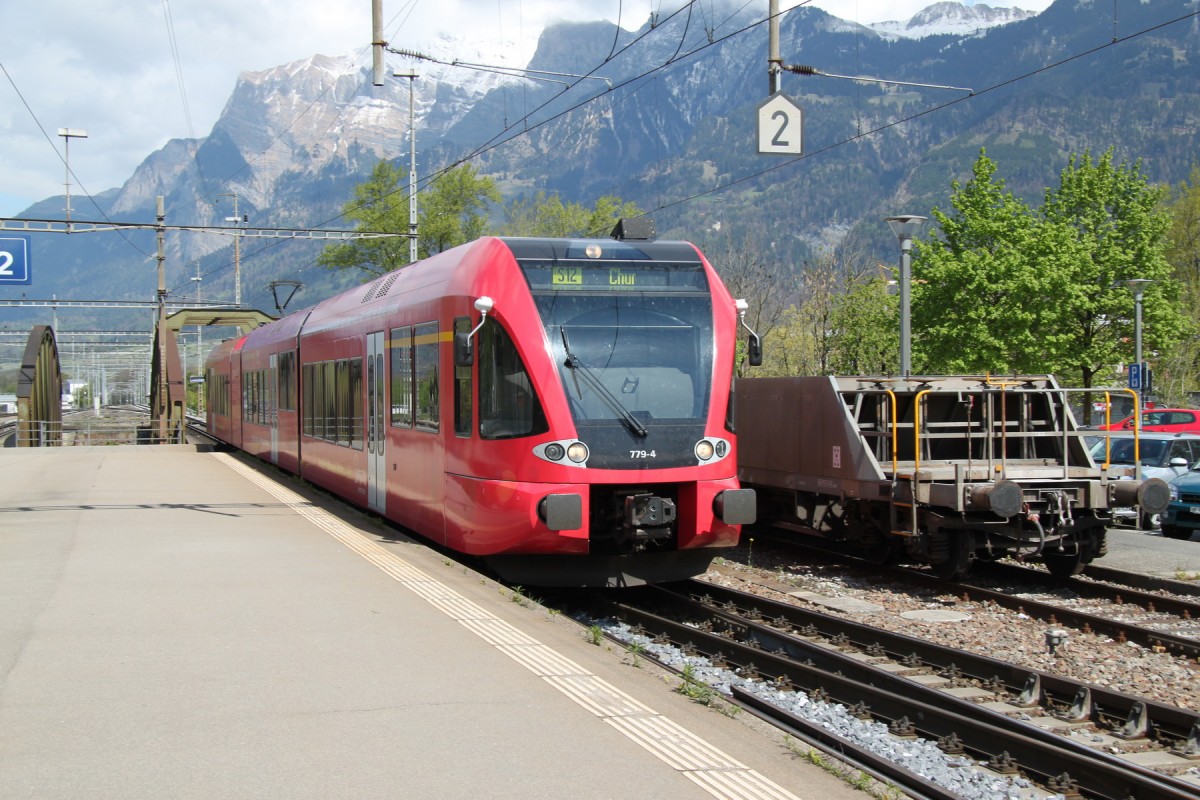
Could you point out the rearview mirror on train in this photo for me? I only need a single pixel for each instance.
(464, 343)
(464, 353)
(754, 353)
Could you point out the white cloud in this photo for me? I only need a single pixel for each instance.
(107, 66)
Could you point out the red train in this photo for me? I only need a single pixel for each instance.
(558, 407)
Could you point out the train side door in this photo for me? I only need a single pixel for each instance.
(376, 422)
(272, 401)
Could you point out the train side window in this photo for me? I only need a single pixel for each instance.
(508, 406)
(248, 396)
(327, 408)
(341, 402)
(255, 409)
(287, 381)
(426, 352)
(462, 387)
(355, 392)
(261, 397)
(309, 397)
(402, 377)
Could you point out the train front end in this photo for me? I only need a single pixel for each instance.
(632, 362)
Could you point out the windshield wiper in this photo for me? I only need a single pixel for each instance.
(610, 400)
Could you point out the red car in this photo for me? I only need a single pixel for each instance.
(1173, 420)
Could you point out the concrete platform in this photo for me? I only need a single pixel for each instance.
(183, 624)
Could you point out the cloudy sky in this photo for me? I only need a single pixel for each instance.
(137, 73)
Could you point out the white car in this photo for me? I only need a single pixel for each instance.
(1162, 455)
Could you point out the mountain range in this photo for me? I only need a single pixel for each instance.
(665, 117)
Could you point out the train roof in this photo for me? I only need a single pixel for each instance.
(610, 249)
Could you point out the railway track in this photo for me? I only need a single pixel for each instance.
(1012, 720)
(1155, 613)
(1159, 622)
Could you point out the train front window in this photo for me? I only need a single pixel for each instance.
(508, 406)
(633, 341)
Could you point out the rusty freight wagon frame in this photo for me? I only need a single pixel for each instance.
(936, 469)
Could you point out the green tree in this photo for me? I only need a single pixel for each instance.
(452, 211)
(547, 215)
(978, 299)
(1183, 238)
(1010, 289)
(1179, 370)
(865, 324)
(1115, 218)
(379, 204)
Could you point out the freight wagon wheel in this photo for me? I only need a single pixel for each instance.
(962, 553)
(881, 550)
(1064, 566)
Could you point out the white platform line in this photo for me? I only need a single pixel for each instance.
(709, 768)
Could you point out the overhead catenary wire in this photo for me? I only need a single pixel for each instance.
(50, 142)
(803, 69)
(759, 173)
(493, 143)
(933, 109)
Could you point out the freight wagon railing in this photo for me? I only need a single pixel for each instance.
(990, 429)
(1028, 430)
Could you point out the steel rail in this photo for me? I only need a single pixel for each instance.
(1184, 646)
(908, 705)
(1030, 685)
(1127, 594)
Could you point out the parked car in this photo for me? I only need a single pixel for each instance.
(1162, 455)
(1177, 420)
(1182, 517)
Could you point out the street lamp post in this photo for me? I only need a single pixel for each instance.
(412, 167)
(237, 250)
(199, 345)
(905, 227)
(1138, 287)
(68, 134)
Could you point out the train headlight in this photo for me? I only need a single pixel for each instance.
(566, 452)
(710, 450)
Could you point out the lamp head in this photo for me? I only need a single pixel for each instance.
(906, 226)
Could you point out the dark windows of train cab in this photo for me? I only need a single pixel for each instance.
(462, 387)
(508, 406)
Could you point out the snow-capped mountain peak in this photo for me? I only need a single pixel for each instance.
(948, 17)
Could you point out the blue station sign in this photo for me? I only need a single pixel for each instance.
(15, 260)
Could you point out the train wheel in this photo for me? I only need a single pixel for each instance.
(880, 550)
(961, 554)
(1064, 566)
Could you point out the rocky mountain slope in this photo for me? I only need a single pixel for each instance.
(666, 119)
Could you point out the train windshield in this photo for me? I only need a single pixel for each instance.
(633, 340)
